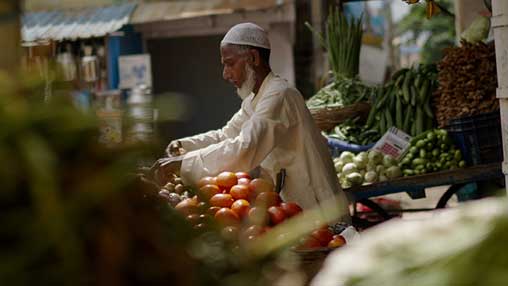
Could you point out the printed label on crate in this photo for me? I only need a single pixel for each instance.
(395, 142)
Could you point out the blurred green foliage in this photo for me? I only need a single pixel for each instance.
(73, 212)
(441, 28)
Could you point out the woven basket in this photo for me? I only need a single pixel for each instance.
(328, 117)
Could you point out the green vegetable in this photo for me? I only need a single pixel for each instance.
(349, 168)
(389, 161)
(375, 157)
(389, 120)
(370, 177)
(419, 120)
(405, 87)
(346, 157)
(398, 113)
(428, 110)
(420, 144)
(342, 41)
(423, 154)
(399, 74)
(457, 156)
(393, 172)
(407, 119)
(354, 178)
(414, 95)
(419, 162)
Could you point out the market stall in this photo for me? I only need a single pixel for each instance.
(427, 125)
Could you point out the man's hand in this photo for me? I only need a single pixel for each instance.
(175, 149)
(164, 168)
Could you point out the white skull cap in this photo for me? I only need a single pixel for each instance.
(247, 34)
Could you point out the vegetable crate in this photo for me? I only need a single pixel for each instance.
(478, 137)
(337, 146)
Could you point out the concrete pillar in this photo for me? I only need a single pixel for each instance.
(10, 45)
(500, 26)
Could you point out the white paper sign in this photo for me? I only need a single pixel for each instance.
(135, 70)
(395, 142)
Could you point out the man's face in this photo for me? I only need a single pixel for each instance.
(234, 63)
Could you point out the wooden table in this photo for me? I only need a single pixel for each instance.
(415, 185)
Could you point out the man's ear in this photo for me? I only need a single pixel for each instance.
(256, 57)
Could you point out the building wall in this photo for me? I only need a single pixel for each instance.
(190, 66)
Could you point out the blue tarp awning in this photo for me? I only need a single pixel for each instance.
(74, 24)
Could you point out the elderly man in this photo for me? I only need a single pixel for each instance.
(273, 129)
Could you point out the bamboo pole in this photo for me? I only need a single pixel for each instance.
(500, 26)
(10, 29)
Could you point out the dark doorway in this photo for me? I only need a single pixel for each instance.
(190, 66)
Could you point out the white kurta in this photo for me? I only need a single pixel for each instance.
(274, 130)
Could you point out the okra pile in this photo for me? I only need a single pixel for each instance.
(431, 151)
(352, 132)
(405, 101)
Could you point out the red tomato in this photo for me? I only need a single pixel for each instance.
(276, 214)
(226, 216)
(243, 175)
(323, 235)
(207, 181)
(258, 216)
(268, 199)
(187, 207)
(337, 241)
(240, 192)
(226, 180)
(290, 208)
(222, 200)
(208, 191)
(244, 181)
(241, 208)
(259, 186)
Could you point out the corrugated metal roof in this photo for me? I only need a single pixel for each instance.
(74, 24)
(166, 11)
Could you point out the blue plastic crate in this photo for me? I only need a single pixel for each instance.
(478, 137)
(337, 146)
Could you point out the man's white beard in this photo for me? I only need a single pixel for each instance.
(248, 85)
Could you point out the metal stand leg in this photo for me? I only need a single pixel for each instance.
(447, 195)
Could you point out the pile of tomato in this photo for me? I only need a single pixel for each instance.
(245, 208)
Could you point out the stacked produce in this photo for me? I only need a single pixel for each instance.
(431, 151)
(352, 132)
(175, 191)
(242, 208)
(365, 168)
(341, 93)
(467, 82)
(342, 42)
(405, 102)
